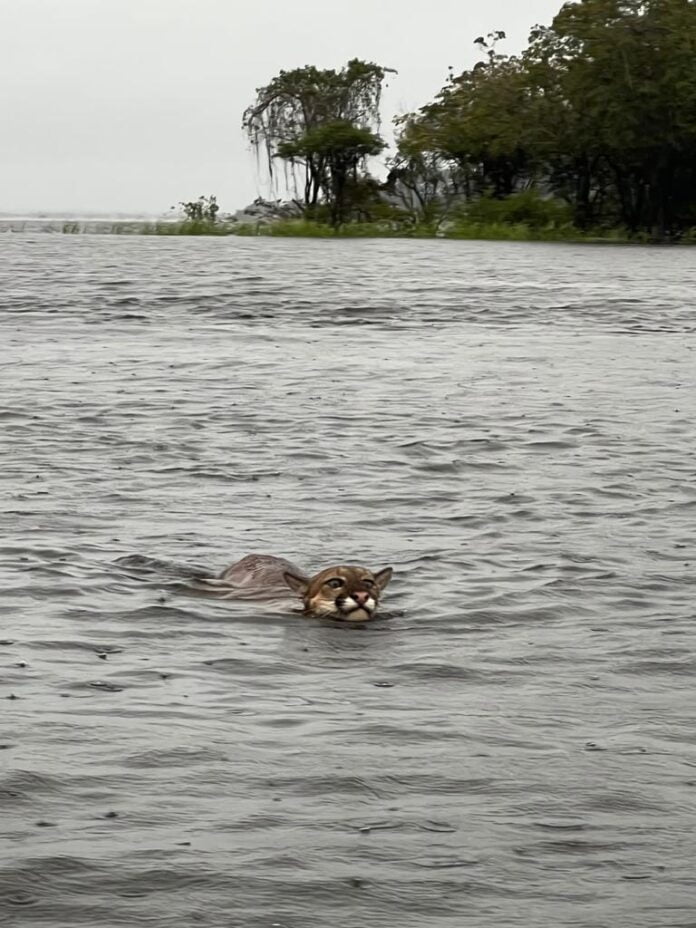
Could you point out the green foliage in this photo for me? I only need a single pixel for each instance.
(627, 67)
(338, 139)
(588, 134)
(324, 125)
(303, 228)
(290, 228)
(341, 149)
(527, 208)
(398, 226)
(600, 110)
(460, 229)
(202, 210)
(515, 232)
(189, 227)
(478, 124)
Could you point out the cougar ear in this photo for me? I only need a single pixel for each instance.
(382, 577)
(296, 583)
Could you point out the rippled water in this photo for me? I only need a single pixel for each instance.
(510, 426)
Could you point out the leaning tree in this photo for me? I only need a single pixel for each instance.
(323, 124)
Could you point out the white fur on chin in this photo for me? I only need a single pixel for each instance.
(349, 605)
(356, 615)
(349, 609)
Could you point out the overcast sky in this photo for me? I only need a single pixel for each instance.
(133, 105)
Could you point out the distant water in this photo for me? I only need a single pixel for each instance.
(74, 223)
(510, 426)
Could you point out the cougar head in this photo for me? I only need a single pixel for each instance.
(348, 593)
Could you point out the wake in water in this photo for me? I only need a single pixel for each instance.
(511, 425)
(195, 579)
(349, 593)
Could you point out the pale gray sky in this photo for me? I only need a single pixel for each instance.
(133, 105)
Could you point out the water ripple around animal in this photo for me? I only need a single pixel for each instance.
(509, 425)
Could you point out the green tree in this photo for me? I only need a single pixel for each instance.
(479, 123)
(304, 115)
(338, 150)
(204, 209)
(625, 110)
(599, 110)
(422, 177)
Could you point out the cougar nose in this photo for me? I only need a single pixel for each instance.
(361, 597)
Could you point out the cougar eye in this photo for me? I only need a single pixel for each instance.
(367, 582)
(335, 583)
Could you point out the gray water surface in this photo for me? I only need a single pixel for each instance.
(510, 426)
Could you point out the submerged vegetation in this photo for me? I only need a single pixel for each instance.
(495, 229)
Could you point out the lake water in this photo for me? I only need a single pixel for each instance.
(511, 426)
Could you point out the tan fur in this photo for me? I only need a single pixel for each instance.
(341, 592)
(355, 599)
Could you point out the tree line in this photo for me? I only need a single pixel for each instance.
(594, 121)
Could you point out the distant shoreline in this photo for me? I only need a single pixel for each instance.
(299, 228)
